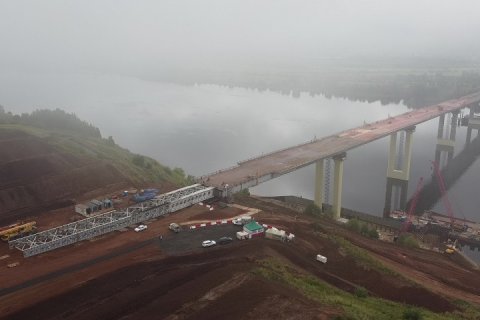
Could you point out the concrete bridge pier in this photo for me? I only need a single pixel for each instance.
(446, 140)
(319, 189)
(337, 184)
(473, 122)
(469, 136)
(394, 169)
(395, 196)
(441, 126)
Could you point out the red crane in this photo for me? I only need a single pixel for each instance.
(413, 204)
(443, 191)
(446, 201)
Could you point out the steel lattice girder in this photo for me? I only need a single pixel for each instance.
(94, 226)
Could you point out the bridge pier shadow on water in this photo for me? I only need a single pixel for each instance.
(455, 168)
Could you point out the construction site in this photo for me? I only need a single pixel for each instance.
(85, 268)
(210, 250)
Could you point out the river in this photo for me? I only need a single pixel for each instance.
(202, 128)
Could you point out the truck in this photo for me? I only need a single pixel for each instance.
(145, 194)
(321, 258)
(143, 197)
(242, 220)
(175, 227)
(242, 235)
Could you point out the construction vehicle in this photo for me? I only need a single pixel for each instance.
(18, 230)
(242, 220)
(11, 226)
(451, 247)
(175, 227)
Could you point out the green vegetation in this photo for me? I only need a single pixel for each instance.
(361, 292)
(362, 228)
(67, 134)
(407, 240)
(313, 210)
(353, 306)
(412, 314)
(362, 257)
(415, 81)
(244, 192)
(51, 120)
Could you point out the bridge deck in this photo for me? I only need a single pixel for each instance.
(290, 159)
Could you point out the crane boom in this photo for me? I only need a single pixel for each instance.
(443, 191)
(413, 205)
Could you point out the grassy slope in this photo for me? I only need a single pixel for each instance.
(353, 306)
(136, 167)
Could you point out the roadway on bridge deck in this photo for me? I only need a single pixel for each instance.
(290, 159)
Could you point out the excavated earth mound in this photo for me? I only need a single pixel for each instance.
(35, 177)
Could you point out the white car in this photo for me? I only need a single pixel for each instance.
(140, 228)
(237, 222)
(208, 243)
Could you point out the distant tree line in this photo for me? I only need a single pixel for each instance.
(52, 120)
(415, 88)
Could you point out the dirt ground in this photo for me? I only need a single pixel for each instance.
(133, 275)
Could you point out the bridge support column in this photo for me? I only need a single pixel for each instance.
(441, 126)
(337, 185)
(392, 170)
(446, 143)
(319, 190)
(469, 136)
(396, 189)
(453, 131)
(473, 122)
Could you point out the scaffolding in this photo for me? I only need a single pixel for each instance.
(114, 220)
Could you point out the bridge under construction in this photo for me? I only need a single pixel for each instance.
(254, 171)
(118, 219)
(260, 169)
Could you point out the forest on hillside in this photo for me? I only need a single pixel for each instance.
(51, 120)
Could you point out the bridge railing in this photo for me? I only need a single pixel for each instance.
(205, 176)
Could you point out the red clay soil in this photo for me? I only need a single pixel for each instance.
(206, 214)
(145, 284)
(86, 250)
(35, 177)
(438, 273)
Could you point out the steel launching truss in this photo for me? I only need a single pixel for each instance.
(94, 226)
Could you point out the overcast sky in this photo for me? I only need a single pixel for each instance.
(123, 36)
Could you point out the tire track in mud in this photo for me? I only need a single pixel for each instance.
(76, 267)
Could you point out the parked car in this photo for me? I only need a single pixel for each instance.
(208, 243)
(140, 228)
(224, 240)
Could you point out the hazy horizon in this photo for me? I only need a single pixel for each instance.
(137, 38)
